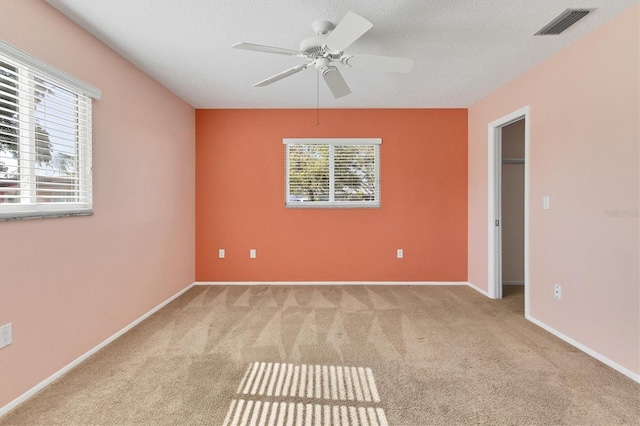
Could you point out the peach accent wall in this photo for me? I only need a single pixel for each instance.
(68, 284)
(240, 199)
(584, 140)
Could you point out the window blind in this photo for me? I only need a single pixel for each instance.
(332, 172)
(45, 143)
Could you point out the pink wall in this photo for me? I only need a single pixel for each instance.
(584, 140)
(240, 199)
(68, 284)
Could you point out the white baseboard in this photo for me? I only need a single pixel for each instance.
(478, 289)
(630, 374)
(64, 370)
(419, 283)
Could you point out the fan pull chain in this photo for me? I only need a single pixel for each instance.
(317, 97)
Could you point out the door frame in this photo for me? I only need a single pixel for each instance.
(494, 235)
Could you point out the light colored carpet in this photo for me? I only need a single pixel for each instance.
(344, 355)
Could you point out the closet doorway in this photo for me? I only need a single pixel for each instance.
(509, 206)
(512, 206)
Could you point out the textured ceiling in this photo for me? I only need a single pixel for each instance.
(463, 49)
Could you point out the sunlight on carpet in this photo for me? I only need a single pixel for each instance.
(316, 395)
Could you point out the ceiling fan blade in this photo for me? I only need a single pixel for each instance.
(351, 28)
(380, 63)
(282, 75)
(336, 83)
(266, 49)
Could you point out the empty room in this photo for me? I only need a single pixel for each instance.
(319, 212)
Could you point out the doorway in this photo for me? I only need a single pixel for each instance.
(508, 189)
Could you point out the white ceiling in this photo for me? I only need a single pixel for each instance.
(463, 49)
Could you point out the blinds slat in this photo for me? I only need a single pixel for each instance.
(43, 196)
(41, 193)
(65, 187)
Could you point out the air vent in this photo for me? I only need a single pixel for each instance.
(564, 21)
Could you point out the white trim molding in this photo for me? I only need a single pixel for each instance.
(479, 290)
(334, 160)
(254, 283)
(64, 370)
(493, 134)
(603, 359)
(332, 141)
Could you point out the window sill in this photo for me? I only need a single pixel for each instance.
(329, 205)
(43, 215)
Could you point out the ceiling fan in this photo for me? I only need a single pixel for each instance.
(327, 48)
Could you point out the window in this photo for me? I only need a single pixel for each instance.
(45, 139)
(332, 173)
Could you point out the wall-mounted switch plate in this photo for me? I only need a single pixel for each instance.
(221, 253)
(400, 253)
(6, 335)
(252, 253)
(557, 291)
(545, 202)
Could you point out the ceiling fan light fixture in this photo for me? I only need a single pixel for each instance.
(322, 64)
(336, 83)
(327, 48)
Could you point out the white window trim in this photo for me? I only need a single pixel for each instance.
(55, 75)
(332, 141)
(333, 204)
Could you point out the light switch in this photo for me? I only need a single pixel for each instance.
(400, 253)
(545, 202)
(252, 253)
(221, 253)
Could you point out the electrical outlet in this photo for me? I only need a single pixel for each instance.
(557, 291)
(6, 335)
(221, 253)
(400, 254)
(252, 253)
